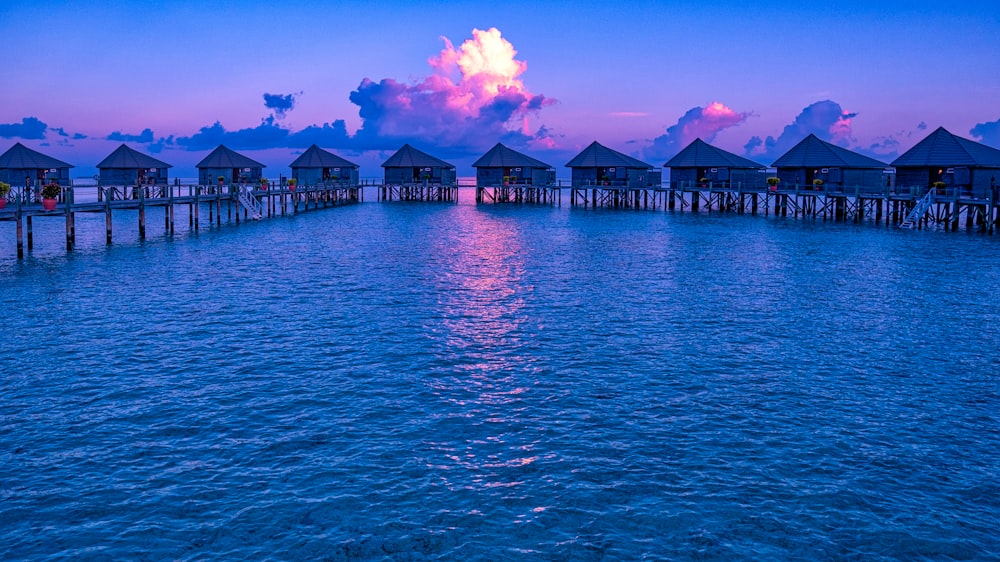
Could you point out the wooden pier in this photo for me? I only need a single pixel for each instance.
(418, 192)
(519, 193)
(244, 202)
(948, 208)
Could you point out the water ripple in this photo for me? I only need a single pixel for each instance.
(414, 382)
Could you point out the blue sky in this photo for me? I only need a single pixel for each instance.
(641, 77)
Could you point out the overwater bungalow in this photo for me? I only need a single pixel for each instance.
(700, 163)
(504, 175)
(409, 165)
(317, 166)
(971, 168)
(126, 166)
(21, 166)
(505, 166)
(598, 165)
(837, 168)
(230, 165)
(412, 175)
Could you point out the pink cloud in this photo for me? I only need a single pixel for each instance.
(699, 122)
(825, 119)
(474, 96)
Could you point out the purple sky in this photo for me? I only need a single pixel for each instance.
(175, 79)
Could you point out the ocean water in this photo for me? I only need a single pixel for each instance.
(435, 382)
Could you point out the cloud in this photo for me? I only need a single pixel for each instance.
(266, 135)
(987, 133)
(699, 122)
(922, 126)
(628, 114)
(29, 128)
(328, 134)
(281, 104)
(825, 119)
(474, 96)
(144, 137)
(885, 148)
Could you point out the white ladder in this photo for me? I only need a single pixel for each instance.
(918, 210)
(250, 203)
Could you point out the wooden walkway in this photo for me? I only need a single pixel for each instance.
(239, 202)
(948, 208)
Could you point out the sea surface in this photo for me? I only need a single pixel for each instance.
(407, 381)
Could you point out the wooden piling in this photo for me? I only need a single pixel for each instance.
(20, 236)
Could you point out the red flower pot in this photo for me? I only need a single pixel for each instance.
(49, 204)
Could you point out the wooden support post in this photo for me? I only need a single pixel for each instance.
(31, 234)
(107, 223)
(69, 228)
(20, 235)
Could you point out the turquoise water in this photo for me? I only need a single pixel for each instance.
(427, 381)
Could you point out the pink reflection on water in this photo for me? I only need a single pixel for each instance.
(485, 371)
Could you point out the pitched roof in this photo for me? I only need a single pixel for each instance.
(700, 154)
(599, 156)
(812, 152)
(223, 157)
(316, 157)
(409, 157)
(126, 158)
(502, 157)
(23, 158)
(942, 148)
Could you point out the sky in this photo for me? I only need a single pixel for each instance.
(174, 79)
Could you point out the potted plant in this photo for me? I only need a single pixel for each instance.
(221, 179)
(4, 190)
(940, 186)
(773, 182)
(50, 191)
(817, 184)
(291, 183)
(703, 182)
(263, 183)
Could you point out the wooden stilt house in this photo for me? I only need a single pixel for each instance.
(21, 166)
(317, 166)
(837, 168)
(963, 166)
(504, 175)
(126, 166)
(410, 166)
(412, 175)
(505, 166)
(700, 163)
(599, 165)
(231, 166)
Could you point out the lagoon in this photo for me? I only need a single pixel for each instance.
(426, 381)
